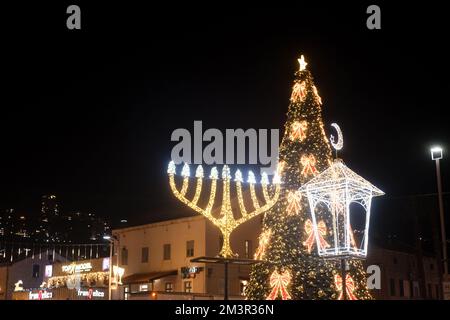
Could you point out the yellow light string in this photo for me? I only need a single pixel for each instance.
(240, 197)
(226, 221)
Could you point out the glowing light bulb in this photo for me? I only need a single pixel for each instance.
(238, 176)
(199, 172)
(214, 173)
(226, 173)
(171, 168)
(185, 172)
(264, 178)
(251, 177)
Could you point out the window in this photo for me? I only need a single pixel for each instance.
(410, 289)
(430, 294)
(127, 293)
(209, 272)
(190, 248)
(392, 287)
(36, 268)
(395, 260)
(248, 249)
(402, 288)
(416, 291)
(431, 266)
(437, 291)
(124, 256)
(143, 287)
(242, 287)
(188, 286)
(144, 255)
(169, 287)
(167, 251)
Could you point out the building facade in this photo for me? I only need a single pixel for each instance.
(404, 275)
(157, 259)
(42, 279)
(28, 274)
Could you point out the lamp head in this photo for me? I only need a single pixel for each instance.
(436, 153)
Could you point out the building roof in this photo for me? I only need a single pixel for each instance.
(339, 173)
(160, 223)
(147, 277)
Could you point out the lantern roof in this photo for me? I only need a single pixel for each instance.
(338, 175)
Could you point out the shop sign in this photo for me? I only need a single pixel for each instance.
(105, 264)
(91, 293)
(40, 295)
(190, 272)
(77, 268)
(48, 271)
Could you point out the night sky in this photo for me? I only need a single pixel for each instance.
(87, 115)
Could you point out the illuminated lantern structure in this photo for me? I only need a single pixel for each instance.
(330, 196)
(340, 202)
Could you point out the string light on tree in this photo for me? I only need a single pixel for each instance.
(298, 131)
(279, 283)
(309, 165)
(298, 92)
(264, 239)
(293, 243)
(309, 229)
(349, 286)
(294, 198)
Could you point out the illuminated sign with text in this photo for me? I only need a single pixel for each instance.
(77, 268)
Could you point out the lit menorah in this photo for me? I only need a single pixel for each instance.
(225, 221)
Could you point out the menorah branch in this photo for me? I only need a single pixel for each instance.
(225, 220)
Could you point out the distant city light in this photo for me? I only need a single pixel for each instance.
(106, 237)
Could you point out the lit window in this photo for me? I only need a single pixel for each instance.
(248, 249)
(143, 287)
(188, 286)
(169, 287)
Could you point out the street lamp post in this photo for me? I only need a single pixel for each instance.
(436, 155)
(111, 245)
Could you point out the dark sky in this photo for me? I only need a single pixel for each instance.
(87, 115)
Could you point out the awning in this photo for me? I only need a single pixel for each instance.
(147, 277)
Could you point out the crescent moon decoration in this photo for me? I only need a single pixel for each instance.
(340, 143)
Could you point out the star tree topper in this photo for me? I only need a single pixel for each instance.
(302, 63)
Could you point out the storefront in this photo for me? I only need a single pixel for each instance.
(81, 280)
(144, 285)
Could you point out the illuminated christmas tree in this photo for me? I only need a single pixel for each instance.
(293, 269)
